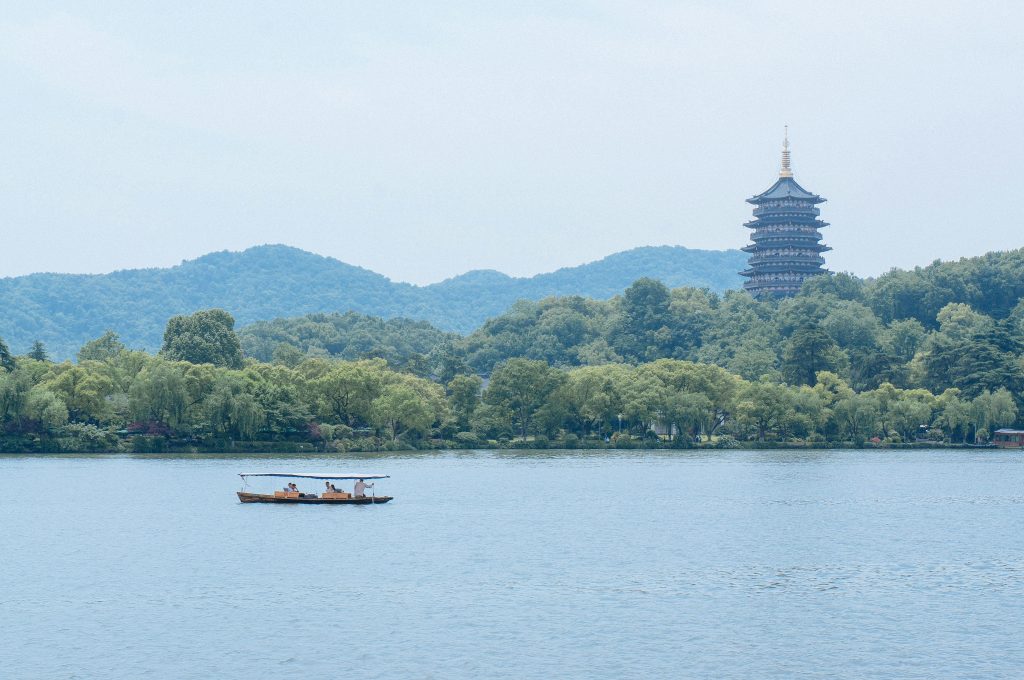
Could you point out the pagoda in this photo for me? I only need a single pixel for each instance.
(787, 247)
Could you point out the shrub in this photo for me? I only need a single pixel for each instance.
(81, 437)
(468, 439)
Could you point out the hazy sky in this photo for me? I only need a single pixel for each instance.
(425, 139)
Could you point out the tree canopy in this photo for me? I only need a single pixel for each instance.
(206, 337)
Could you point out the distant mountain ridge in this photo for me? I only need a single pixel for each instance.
(271, 281)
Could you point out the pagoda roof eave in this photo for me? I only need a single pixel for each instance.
(785, 187)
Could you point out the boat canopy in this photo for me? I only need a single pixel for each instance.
(313, 475)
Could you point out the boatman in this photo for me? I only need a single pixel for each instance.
(360, 490)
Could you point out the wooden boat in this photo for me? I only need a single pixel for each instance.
(343, 499)
(330, 498)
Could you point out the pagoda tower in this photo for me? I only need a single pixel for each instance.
(787, 245)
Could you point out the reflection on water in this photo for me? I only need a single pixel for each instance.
(512, 564)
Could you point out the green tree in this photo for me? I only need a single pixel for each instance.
(644, 328)
(911, 411)
(954, 414)
(464, 393)
(38, 352)
(687, 411)
(857, 415)
(742, 337)
(232, 409)
(642, 397)
(278, 393)
(103, 348)
(809, 350)
(991, 410)
(347, 390)
(886, 395)
(449, 361)
(959, 322)
(905, 337)
(45, 409)
(591, 397)
(492, 421)
(522, 386)
(408, 405)
(84, 390)
(206, 337)
(159, 394)
(809, 413)
(6, 360)
(972, 353)
(288, 355)
(14, 390)
(764, 406)
(686, 377)
(842, 286)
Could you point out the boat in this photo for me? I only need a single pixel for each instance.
(328, 498)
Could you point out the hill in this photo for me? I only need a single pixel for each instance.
(674, 266)
(267, 282)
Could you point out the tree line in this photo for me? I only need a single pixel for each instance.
(800, 372)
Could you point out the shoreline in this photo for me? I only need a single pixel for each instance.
(293, 448)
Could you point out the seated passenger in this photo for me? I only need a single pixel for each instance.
(360, 489)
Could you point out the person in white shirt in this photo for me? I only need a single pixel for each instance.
(361, 487)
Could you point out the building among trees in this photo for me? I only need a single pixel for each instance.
(787, 247)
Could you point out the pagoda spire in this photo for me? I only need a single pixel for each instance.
(786, 171)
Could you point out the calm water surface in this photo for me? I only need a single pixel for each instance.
(731, 564)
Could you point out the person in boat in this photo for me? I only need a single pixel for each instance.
(360, 489)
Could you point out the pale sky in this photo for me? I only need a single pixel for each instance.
(425, 139)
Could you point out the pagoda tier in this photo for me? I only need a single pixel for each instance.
(786, 241)
(785, 245)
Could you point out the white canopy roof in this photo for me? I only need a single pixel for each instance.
(313, 475)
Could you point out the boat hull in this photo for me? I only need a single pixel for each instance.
(246, 497)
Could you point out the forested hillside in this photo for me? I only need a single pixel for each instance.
(263, 283)
(934, 354)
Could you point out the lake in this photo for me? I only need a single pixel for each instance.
(717, 564)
